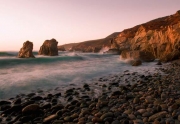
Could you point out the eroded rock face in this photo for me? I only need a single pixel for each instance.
(49, 48)
(135, 62)
(138, 55)
(26, 50)
(160, 37)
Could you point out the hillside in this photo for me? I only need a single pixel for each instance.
(160, 37)
(92, 45)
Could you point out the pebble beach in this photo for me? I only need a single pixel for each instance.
(151, 98)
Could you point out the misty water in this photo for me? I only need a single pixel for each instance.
(19, 75)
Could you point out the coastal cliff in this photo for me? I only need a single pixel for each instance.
(159, 38)
(92, 45)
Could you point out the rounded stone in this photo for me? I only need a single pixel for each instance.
(109, 114)
(50, 118)
(31, 109)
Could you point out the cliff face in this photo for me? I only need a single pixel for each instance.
(49, 48)
(161, 37)
(26, 50)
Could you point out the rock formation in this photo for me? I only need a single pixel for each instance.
(49, 48)
(160, 37)
(113, 51)
(26, 50)
(138, 55)
(136, 62)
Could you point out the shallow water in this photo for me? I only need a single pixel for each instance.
(27, 75)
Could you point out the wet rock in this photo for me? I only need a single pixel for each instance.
(17, 101)
(125, 121)
(58, 94)
(131, 116)
(24, 104)
(31, 94)
(57, 107)
(75, 115)
(96, 120)
(24, 119)
(136, 100)
(178, 117)
(156, 122)
(36, 98)
(15, 109)
(116, 122)
(50, 118)
(67, 119)
(46, 106)
(4, 102)
(142, 111)
(116, 93)
(109, 114)
(58, 122)
(157, 115)
(5, 107)
(31, 109)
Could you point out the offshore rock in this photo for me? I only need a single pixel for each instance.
(49, 48)
(26, 50)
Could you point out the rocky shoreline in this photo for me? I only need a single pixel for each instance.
(141, 99)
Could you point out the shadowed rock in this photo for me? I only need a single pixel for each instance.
(49, 48)
(26, 50)
(138, 55)
(136, 62)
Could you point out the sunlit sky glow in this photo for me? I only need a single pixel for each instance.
(71, 21)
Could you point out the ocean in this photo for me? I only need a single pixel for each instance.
(22, 76)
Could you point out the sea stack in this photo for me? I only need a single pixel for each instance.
(49, 48)
(26, 50)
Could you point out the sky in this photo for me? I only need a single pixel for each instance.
(70, 21)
